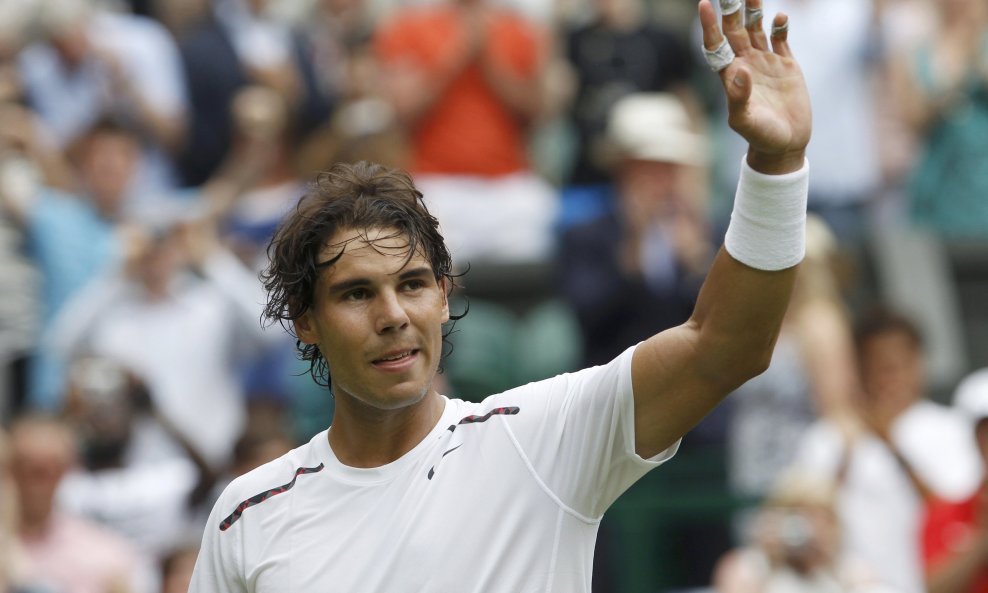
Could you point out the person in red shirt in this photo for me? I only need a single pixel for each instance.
(465, 81)
(955, 534)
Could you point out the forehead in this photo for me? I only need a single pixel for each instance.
(374, 250)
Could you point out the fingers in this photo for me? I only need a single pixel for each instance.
(753, 24)
(780, 36)
(716, 50)
(732, 22)
(712, 36)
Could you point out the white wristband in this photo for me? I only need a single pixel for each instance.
(768, 225)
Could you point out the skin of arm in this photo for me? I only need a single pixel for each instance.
(679, 375)
(825, 341)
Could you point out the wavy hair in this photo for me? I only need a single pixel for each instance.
(356, 196)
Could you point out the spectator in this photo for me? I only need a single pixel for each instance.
(70, 237)
(955, 534)
(20, 310)
(145, 315)
(637, 269)
(619, 52)
(95, 64)
(464, 77)
(795, 546)
(944, 87)
(239, 44)
(42, 451)
(886, 473)
(250, 211)
(139, 476)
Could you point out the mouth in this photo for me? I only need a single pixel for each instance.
(398, 360)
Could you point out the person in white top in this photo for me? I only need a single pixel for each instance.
(409, 490)
(911, 450)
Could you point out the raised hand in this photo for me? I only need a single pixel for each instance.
(767, 100)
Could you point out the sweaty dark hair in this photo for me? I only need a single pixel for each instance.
(358, 196)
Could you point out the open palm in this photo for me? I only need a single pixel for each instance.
(768, 104)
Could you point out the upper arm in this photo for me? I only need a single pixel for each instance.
(681, 374)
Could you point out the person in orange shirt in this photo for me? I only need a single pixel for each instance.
(465, 81)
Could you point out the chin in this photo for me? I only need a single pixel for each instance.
(395, 398)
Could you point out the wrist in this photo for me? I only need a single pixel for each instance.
(776, 163)
(768, 223)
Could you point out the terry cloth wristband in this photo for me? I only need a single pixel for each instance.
(768, 225)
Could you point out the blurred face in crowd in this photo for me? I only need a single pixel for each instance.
(377, 320)
(108, 162)
(892, 371)
(41, 453)
(650, 190)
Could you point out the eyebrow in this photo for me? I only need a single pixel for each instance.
(345, 285)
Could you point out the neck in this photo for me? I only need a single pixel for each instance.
(365, 437)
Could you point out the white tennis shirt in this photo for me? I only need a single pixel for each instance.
(501, 496)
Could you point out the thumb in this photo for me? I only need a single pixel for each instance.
(738, 88)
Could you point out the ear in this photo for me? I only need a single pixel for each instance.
(305, 329)
(445, 286)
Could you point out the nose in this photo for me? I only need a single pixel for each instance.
(390, 313)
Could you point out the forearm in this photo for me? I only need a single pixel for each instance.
(680, 375)
(826, 345)
(738, 317)
(741, 305)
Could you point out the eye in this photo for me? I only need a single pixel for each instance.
(414, 284)
(357, 294)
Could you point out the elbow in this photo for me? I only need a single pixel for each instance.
(758, 364)
(739, 364)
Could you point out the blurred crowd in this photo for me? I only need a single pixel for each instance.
(577, 157)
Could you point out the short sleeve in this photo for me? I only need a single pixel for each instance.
(219, 568)
(577, 432)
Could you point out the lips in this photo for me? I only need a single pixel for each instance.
(396, 360)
